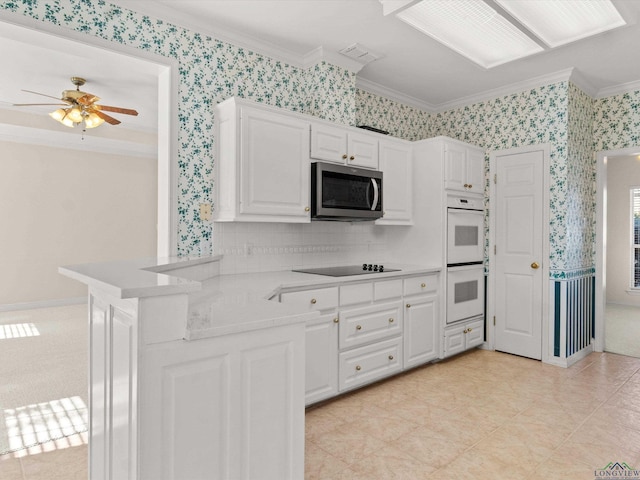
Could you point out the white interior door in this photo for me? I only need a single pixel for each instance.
(518, 254)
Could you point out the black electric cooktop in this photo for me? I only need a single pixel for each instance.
(347, 270)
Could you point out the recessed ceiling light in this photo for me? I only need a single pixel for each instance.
(560, 22)
(471, 28)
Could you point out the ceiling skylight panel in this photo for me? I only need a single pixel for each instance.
(560, 22)
(472, 28)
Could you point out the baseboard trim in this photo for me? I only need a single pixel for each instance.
(62, 302)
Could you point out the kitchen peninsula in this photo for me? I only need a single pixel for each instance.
(194, 374)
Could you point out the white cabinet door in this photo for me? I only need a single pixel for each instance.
(329, 143)
(275, 166)
(362, 150)
(421, 330)
(321, 356)
(455, 167)
(338, 145)
(397, 193)
(475, 170)
(463, 336)
(464, 168)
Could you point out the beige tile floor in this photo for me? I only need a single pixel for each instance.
(480, 415)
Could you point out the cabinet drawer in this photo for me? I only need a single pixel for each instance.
(475, 333)
(421, 284)
(368, 324)
(358, 293)
(368, 364)
(388, 289)
(318, 299)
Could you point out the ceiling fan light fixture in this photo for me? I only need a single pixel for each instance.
(61, 116)
(92, 120)
(75, 114)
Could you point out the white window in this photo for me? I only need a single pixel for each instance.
(635, 237)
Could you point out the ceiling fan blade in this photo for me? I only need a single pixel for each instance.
(107, 108)
(42, 94)
(107, 118)
(87, 99)
(38, 104)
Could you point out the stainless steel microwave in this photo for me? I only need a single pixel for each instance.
(344, 193)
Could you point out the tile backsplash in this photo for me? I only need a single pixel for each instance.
(261, 247)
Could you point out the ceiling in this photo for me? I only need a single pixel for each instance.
(412, 67)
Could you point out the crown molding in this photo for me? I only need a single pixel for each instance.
(542, 80)
(75, 141)
(618, 89)
(392, 94)
(580, 81)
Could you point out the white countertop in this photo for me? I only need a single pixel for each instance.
(228, 301)
(223, 304)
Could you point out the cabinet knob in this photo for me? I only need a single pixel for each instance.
(336, 320)
(465, 330)
(408, 305)
(358, 327)
(466, 185)
(358, 367)
(352, 157)
(306, 209)
(423, 285)
(344, 157)
(470, 186)
(469, 330)
(390, 357)
(391, 320)
(313, 301)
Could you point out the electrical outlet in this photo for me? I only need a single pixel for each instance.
(205, 212)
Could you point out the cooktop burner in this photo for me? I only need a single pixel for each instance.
(347, 270)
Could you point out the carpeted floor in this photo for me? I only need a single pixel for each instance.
(43, 367)
(622, 330)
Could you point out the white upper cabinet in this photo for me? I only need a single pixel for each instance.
(339, 145)
(262, 171)
(464, 168)
(397, 192)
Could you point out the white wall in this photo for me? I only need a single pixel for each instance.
(622, 174)
(60, 207)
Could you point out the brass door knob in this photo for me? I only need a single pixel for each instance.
(534, 265)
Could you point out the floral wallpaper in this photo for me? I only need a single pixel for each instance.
(617, 122)
(400, 120)
(210, 71)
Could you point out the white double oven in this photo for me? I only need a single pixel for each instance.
(465, 258)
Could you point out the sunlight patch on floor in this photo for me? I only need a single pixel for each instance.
(18, 330)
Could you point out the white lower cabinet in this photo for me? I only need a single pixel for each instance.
(421, 319)
(463, 336)
(366, 331)
(321, 357)
(363, 365)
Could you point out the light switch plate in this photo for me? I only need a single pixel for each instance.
(205, 212)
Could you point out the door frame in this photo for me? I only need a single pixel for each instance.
(547, 331)
(601, 240)
(168, 82)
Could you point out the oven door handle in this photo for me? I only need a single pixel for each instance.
(376, 194)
